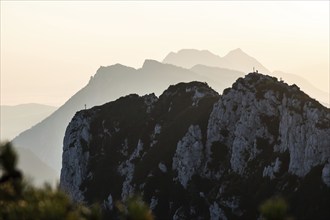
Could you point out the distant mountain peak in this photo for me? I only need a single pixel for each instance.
(196, 51)
(237, 51)
(188, 58)
(150, 63)
(191, 52)
(116, 66)
(103, 71)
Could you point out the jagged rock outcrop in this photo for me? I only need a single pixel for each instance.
(261, 112)
(194, 154)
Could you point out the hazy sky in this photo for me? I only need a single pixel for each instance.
(49, 49)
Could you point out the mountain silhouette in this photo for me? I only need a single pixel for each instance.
(235, 60)
(109, 83)
(238, 60)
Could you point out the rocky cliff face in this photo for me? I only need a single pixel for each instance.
(194, 154)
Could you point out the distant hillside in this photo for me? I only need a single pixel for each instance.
(15, 119)
(305, 85)
(29, 163)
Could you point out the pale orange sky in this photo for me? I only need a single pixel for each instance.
(49, 49)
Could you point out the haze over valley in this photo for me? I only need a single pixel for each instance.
(16, 119)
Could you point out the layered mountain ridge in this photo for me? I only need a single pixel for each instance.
(195, 154)
(45, 139)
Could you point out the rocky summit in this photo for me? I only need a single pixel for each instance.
(193, 154)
